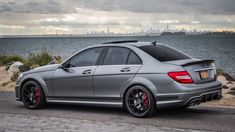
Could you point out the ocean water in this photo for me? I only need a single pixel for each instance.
(218, 47)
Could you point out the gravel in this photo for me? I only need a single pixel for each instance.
(29, 123)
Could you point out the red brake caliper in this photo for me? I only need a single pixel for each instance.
(146, 100)
(37, 95)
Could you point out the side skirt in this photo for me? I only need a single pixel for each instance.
(89, 102)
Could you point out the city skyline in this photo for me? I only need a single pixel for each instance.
(83, 17)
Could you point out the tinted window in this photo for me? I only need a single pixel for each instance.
(116, 56)
(164, 53)
(133, 59)
(86, 58)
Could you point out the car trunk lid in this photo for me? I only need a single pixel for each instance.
(201, 71)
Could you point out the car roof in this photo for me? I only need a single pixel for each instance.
(129, 43)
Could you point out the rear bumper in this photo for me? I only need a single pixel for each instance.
(190, 98)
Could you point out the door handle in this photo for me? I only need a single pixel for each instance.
(86, 72)
(126, 69)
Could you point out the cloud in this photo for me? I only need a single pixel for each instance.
(139, 6)
(81, 16)
(35, 7)
(168, 21)
(162, 6)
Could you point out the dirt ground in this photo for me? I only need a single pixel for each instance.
(5, 80)
(228, 94)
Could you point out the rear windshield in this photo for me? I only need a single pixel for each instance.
(164, 53)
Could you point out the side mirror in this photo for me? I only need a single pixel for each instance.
(64, 66)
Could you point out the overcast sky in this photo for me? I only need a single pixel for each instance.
(82, 16)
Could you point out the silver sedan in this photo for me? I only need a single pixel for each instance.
(139, 76)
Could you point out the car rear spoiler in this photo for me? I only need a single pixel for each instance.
(197, 62)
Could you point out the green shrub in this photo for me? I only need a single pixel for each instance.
(219, 72)
(42, 58)
(9, 59)
(57, 59)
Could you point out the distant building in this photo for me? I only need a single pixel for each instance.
(173, 33)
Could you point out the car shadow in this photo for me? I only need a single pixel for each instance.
(184, 113)
(85, 108)
(168, 113)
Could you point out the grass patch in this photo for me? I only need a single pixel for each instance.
(40, 59)
(8, 59)
(57, 59)
(219, 72)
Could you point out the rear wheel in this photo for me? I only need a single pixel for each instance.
(184, 107)
(32, 95)
(140, 102)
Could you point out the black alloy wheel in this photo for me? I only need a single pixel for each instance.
(32, 95)
(140, 102)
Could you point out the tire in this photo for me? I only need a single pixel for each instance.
(184, 107)
(32, 95)
(140, 102)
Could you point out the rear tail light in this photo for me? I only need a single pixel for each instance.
(181, 76)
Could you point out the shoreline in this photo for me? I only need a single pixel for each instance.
(103, 35)
(216, 47)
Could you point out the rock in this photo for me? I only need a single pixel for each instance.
(229, 82)
(231, 93)
(225, 87)
(18, 67)
(24, 68)
(14, 68)
(233, 88)
(222, 79)
(228, 77)
(233, 76)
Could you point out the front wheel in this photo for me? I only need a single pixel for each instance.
(32, 95)
(140, 102)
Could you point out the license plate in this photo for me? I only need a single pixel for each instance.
(204, 74)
